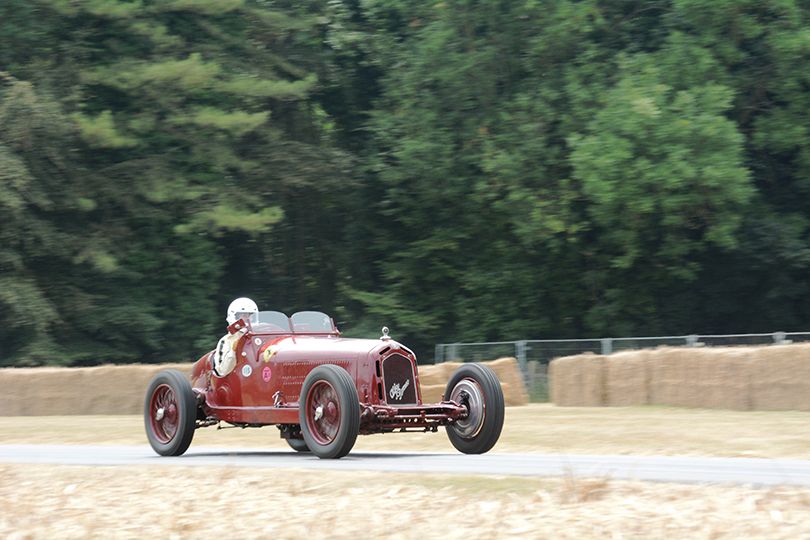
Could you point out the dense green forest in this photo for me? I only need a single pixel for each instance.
(455, 170)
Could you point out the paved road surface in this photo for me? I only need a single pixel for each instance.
(659, 468)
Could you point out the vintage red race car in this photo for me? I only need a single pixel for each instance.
(321, 390)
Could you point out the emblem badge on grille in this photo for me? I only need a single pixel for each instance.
(398, 391)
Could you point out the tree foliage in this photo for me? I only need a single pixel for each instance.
(456, 170)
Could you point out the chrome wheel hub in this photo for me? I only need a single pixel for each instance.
(159, 414)
(469, 394)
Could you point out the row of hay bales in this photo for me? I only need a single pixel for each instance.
(774, 377)
(120, 389)
(67, 391)
(433, 380)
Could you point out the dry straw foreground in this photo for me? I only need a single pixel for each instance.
(161, 502)
(172, 502)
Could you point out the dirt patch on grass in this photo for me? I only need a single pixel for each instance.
(159, 502)
(533, 428)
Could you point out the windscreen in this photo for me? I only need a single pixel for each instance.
(312, 322)
(270, 321)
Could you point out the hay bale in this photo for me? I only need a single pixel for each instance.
(511, 377)
(77, 391)
(669, 376)
(780, 378)
(627, 379)
(431, 374)
(433, 380)
(514, 396)
(120, 389)
(577, 381)
(432, 393)
(724, 379)
(709, 378)
(448, 368)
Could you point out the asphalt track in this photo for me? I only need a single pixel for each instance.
(758, 472)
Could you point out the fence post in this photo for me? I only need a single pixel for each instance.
(520, 354)
(438, 353)
(607, 345)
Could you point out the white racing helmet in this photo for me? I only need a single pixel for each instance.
(241, 308)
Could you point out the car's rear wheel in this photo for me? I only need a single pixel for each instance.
(329, 412)
(170, 411)
(299, 445)
(477, 388)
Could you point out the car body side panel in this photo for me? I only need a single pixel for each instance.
(264, 386)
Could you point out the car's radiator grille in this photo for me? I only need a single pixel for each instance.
(400, 387)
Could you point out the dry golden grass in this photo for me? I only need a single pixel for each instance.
(533, 428)
(183, 502)
(177, 502)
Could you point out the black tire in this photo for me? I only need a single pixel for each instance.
(477, 387)
(170, 431)
(299, 445)
(332, 434)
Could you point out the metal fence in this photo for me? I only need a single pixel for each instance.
(534, 355)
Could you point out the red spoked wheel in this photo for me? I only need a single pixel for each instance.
(329, 412)
(323, 412)
(163, 413)
(170, 411)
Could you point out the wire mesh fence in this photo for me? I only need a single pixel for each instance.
(534, 355)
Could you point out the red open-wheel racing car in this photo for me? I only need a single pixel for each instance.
(321, 390)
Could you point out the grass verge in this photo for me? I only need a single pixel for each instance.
(538, 428)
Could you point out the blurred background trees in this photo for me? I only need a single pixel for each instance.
(456, 170)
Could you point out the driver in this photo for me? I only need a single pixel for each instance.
(224, 356)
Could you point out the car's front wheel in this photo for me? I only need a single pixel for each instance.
(476, 388)
(329, 412)
(170, 412)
